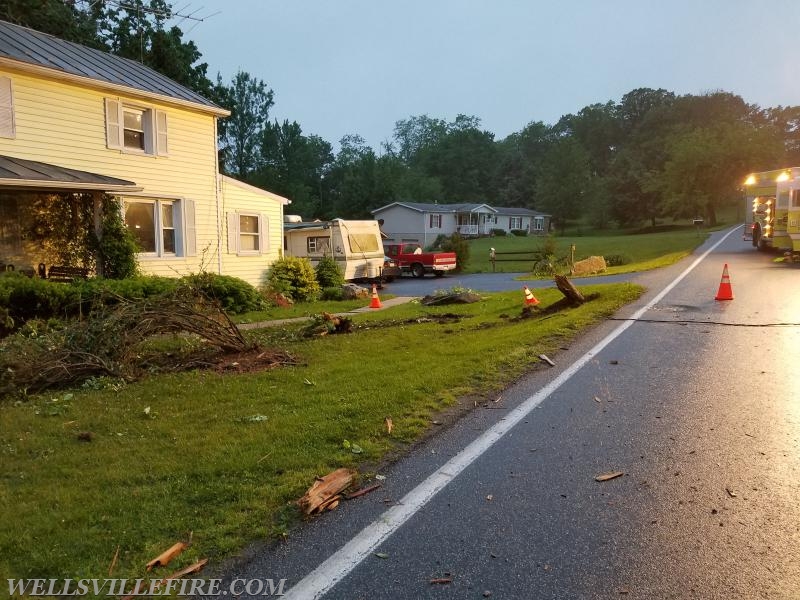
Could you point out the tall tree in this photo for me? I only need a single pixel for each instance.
(249, 100)
(56, 17)
(562, 184)
(294, 166)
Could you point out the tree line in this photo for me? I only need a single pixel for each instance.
(650, 155)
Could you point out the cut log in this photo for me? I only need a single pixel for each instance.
(325, 490)
(166, 556)
(566, 287)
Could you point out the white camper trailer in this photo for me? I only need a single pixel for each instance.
(356, 246)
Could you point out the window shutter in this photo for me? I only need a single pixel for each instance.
(113, 124)
(263, 234)
(6, 108)
(233, 233)
(161, 133)
(190, 233)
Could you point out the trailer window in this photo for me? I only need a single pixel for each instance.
(319, 245)
(363, 242)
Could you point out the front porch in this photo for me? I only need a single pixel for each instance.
(475, 224)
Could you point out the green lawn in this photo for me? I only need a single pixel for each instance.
(223, 456)
(641, 251)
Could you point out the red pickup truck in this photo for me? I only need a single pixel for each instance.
(411, 259)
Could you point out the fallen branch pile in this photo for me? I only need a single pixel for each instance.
(109, 342)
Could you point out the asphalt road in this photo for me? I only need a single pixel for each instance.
(695, 402)
(484, 282)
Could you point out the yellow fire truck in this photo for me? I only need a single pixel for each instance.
(772, 209)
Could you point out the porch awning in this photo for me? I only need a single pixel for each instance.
(20, 174)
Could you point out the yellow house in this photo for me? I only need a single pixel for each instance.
(77, 120)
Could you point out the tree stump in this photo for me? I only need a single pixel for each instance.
(566, 287)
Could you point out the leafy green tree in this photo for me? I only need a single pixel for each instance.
(294, 165)
(62, 19)
(138, 29)
(563, 181)
(706, 165)
(249, 101)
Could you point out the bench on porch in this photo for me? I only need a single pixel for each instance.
(63, 274)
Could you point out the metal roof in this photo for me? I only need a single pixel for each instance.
(44, 50)
(18, 173)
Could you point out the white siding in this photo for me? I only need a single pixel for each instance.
(63, 123)
(239, 198)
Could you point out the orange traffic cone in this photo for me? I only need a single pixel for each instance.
(725, 292)
(530, 299)
(376, 302)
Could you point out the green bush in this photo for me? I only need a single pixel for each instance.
(456, 243)
(616, 260)
(332, 293)
(329, 273)
(25, 298)
(293, 277)
(519, 232)
(498, 232)
(234, 295)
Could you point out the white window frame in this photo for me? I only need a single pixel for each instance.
(182, 225)
(515, 221)
(7, 121)
(538, 223)
(435, 221)
(234, 233)
(154, 128)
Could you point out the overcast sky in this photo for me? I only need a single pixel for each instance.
(342, 67)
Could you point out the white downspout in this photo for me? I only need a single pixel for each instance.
(217, 183)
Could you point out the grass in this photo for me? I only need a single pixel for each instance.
(304, 309)
(641, 251)
(224, 456)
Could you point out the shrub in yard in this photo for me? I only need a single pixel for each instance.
(616, 260)
(332, 293)
(498, 232)
(293, 277)
(456, 243)
(329, 273)
(25, 298)
(234, 295)
(519, 232)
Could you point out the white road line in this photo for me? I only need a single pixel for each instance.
(347, 558)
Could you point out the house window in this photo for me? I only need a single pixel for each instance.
(6, 108)
(157, 226)
(247, 233)
(133, 123)
(538, 223)
(795, 198)
(134, 128)
(318, 245)
(515, 223)
(435, 221)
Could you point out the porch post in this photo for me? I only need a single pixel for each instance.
(97, 207)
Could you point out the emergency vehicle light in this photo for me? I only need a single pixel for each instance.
(782, 177)
(751, 179)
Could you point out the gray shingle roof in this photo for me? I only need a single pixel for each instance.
(519, 212)
(433, 207)
(44, 50)
(457, 208)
